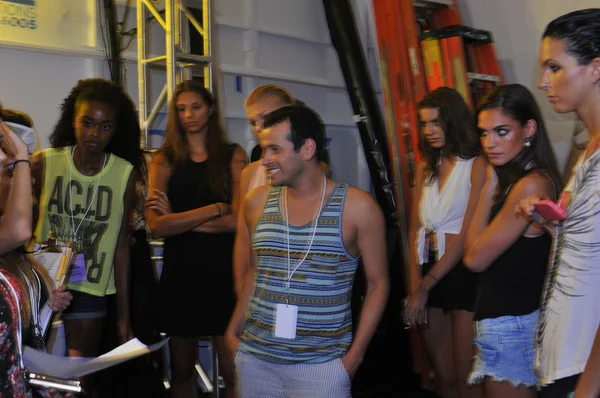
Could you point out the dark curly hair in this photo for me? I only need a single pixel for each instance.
(456, 121)
(218, 147)
(125, 143)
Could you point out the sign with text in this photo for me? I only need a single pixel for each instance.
(69, 24)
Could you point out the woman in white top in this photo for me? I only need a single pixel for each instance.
(568, 354)
(448, 183)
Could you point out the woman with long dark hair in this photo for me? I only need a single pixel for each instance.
(85, 187)
(448, 183)
(568, 355)
(194, 186)
(508, 251)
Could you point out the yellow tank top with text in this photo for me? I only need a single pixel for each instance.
(94, 205)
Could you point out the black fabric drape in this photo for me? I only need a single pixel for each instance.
(374, 377)
(345, 39)
(113, 45)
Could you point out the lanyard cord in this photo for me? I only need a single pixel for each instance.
(316, 222)
(75, 230)
(34, 298)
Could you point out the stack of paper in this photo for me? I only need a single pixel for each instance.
(69, 367)
(50, 261)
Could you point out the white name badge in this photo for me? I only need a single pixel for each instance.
(285, 321)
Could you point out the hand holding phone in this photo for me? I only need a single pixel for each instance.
(550, 211)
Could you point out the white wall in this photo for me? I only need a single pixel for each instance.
(286, 42)
(517, 26)
(258, 41)
(36, 76)
(36, 83)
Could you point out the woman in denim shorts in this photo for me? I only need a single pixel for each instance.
(508, 251)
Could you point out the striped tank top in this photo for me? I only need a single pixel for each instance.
(321, 287)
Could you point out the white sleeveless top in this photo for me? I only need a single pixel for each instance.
(443, 212)
(570, 309)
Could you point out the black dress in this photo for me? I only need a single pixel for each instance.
(196, 285)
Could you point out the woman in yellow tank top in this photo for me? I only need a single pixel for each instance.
(85, 191)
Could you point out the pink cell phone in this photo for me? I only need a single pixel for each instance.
(550, 210)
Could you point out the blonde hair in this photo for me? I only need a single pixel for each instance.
(270, 90)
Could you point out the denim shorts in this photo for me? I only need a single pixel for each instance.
(506, 350)
(85, 306)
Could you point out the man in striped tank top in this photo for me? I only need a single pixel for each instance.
(292, 327)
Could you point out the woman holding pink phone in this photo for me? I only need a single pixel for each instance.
(509, 253)
(548, 210)
(568, 352)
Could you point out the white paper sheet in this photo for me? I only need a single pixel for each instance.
(69, 367)
(50, 261)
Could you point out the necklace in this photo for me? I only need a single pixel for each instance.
(527, 166)
(316, 223)
(75, 230)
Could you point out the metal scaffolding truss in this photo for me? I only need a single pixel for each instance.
(177, 61)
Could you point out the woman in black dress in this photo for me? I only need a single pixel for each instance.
(193, 201)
